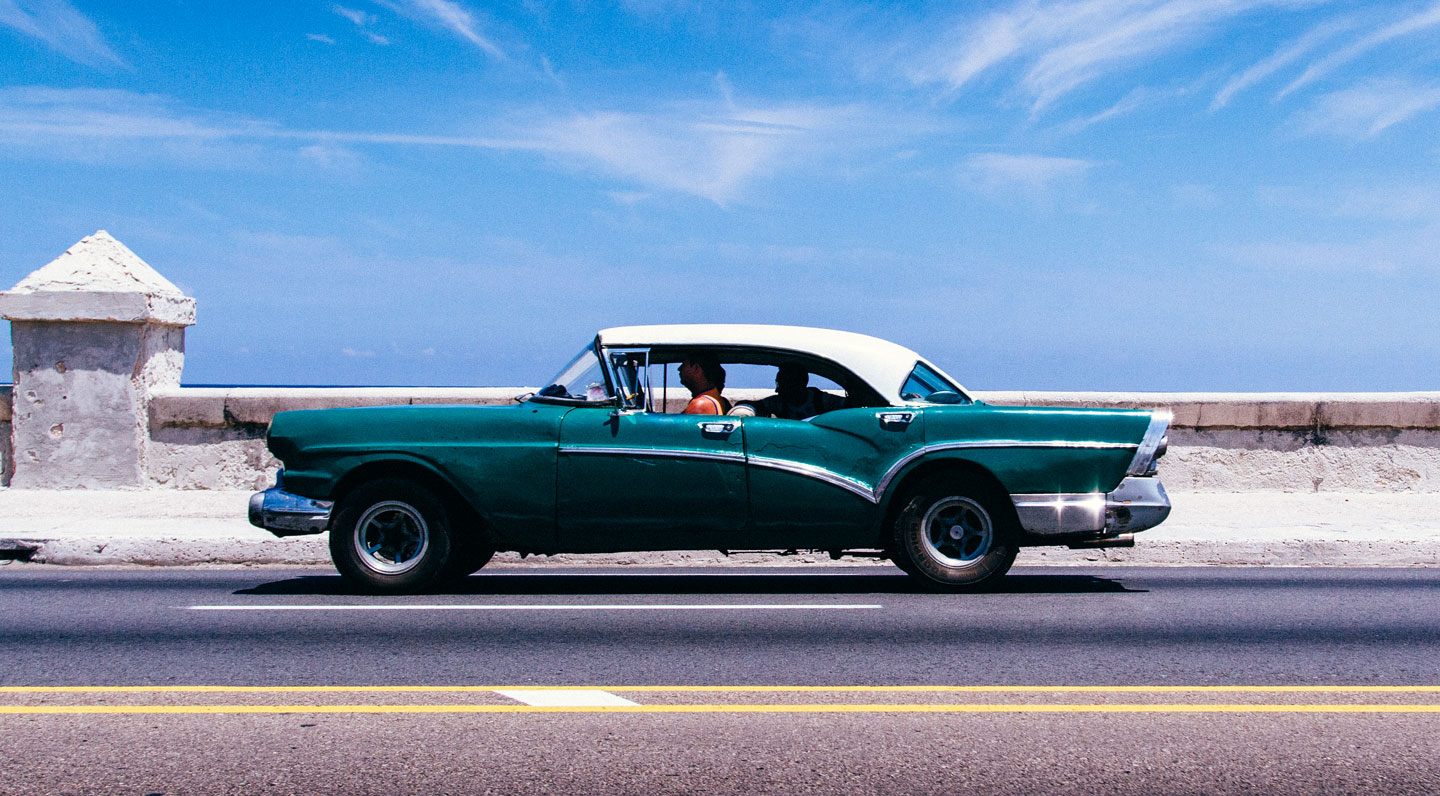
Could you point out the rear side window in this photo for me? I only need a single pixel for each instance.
(923, 381)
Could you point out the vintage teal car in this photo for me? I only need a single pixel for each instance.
(904, 465)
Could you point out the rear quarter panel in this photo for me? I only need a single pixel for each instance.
(1035, 463)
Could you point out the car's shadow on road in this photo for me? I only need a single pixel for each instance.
(717, 583)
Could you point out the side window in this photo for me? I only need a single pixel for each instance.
(787, 391)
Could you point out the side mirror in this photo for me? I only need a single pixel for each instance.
(943, 397)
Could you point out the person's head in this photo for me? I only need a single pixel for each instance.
(791, 382)
(701, 371)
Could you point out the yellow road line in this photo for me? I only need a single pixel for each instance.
(973, 708)
(740, 689)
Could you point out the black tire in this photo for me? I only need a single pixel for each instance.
(392, 536)
(976, 549)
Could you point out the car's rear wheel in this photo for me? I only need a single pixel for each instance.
(392, 535)
(950, 535)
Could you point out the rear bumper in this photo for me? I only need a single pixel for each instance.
(1137, 504)
(287, 514)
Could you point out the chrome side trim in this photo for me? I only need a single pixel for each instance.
(819, 474)
(667, 453)
(899, 465)
(287, 514)
(1150, 443)
(1135, 505)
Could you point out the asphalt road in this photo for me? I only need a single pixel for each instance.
(1115, 680)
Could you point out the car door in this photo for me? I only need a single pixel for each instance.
(639, 480)
(812, 482)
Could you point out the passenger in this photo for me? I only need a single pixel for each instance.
(702, 375)
(794, 398)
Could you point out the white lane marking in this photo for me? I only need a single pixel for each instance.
(524, 607)
(566, 698)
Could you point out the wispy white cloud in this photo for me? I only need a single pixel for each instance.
(320, 37)
(1412, 24)
(1031, 174)
(449, 15)
(709, 150)
(360, 18)
(1124, 37)
(330, 157)
(1137, 98)
(46, 118)
(37, 116)
(1370, 108)
(62, 27)
(550, 72)
(1283, 57)
(1062, 46)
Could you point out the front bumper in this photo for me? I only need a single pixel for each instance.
(1137, 504)
(287, 514)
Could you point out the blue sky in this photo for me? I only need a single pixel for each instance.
(1108, 194)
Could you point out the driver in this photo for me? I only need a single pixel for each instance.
(794, 398)
(702, 375)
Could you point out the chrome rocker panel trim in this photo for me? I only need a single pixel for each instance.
(287, 514)
(1137, 504)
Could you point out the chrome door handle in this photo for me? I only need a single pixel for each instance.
(719, 428)
(896, 418)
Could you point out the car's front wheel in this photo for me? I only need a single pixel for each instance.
(952, 536)
(391, 535)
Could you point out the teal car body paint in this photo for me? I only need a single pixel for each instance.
(911, 468)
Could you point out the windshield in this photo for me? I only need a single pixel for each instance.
(582, 380)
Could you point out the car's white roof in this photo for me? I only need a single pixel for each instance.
(880, 363)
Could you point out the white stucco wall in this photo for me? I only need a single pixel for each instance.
(80, 397)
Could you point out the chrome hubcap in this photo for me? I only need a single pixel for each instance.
(391, 537)
(957, 532)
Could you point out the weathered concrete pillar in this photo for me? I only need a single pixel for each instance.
(94, 333)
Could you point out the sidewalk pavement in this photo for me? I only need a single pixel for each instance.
(172, 528)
